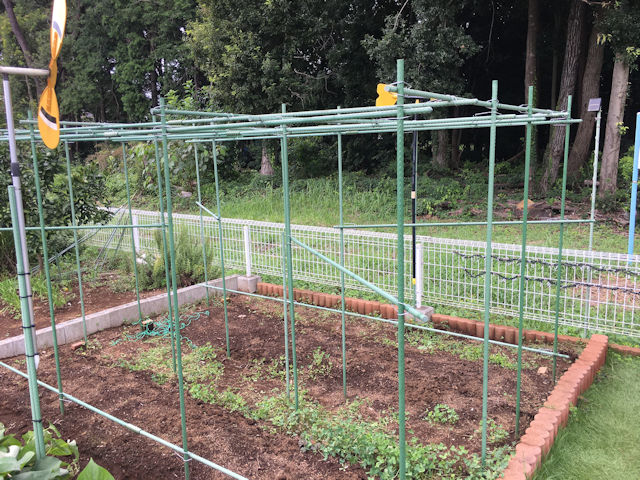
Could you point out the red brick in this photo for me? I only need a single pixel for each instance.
(511, 335)
(542, 431)
(479, 330)
(500, 333)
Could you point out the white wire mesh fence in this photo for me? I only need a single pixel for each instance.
(599, 291)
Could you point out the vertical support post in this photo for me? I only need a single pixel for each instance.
(27, 326)
(165, 252)
(246, 236)
(75, 238)
(204, 246)
(419, 274)
(22, 233)
(487, 266)
(174, 287)
(400, 268)
(284, 314)
(414, 199)
(634, 189)
(523, 254)
(134, 250)
(343, 322)
(288, 253)
(561, 237)
(45, 255)
(136, 233)
(592, 216)
(220, 238)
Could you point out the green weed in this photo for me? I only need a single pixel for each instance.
(442, 413)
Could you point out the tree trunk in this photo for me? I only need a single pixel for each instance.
(531, 64)
(265, 163)
(554, 149)
(22, 41)
(441, 157)
(590, 89)
(455, 148)
(531, 75)
(615, 115)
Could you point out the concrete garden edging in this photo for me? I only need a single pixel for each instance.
(72, 330)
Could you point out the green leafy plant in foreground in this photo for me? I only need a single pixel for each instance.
(18, 458)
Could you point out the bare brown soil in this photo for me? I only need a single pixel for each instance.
(242, 445)
(99, 296)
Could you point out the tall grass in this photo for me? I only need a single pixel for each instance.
(370, 200)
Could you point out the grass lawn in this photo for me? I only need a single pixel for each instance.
(603, 434)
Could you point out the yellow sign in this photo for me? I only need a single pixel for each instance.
(48, 111)
(385, 98)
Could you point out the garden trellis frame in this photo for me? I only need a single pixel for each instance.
(196, 126)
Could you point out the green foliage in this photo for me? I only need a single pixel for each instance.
(496, 433)
(18, 458)
(320, 365)
(442, 413)
(189, 262)
(9, 292)
(93, 471)
(433, 44)
(89, 195)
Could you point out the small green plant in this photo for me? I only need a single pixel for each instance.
(496, 433)
(277, 369)
(442, 413)
(321, 364)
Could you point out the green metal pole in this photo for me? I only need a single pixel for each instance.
(174, 286)
(561, 239)
(204, 247)
(75, 239)
(288, 254)
(47, 271)
(220, 238)
(284, 312)
(487, 267)
(133, 243)
(27, 328)
(523, 258)
(400, 268)
(165, 254)
(343, 305)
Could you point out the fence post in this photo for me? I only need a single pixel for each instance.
(419, 274)
(136, 233)
(247, 248)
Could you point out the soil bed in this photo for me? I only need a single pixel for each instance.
(435, 372)
(97, 297)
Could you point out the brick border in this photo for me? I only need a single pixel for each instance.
(390, 312)
(535, 444)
